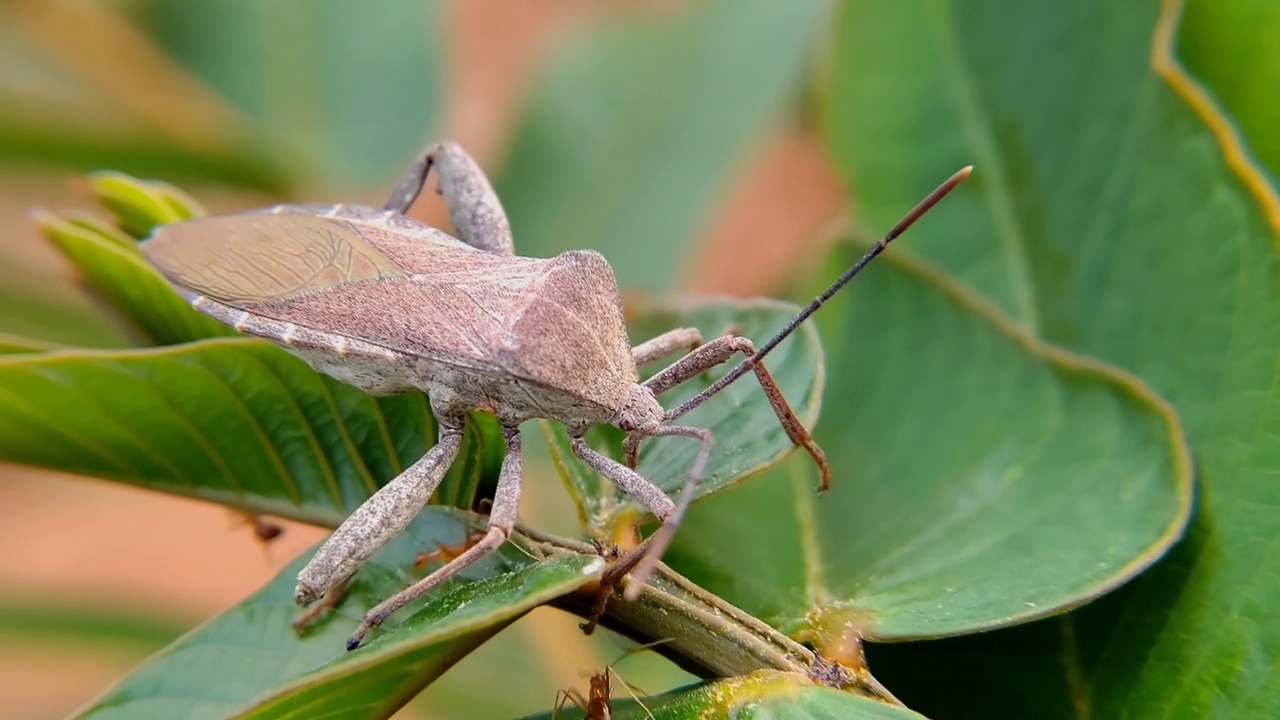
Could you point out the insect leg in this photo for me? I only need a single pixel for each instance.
(564, 697)
(716, 352)
(648, 494)
(474, 208)
(327, 603)
(502, 518)
(657, 543)
(377, 520)
(410, 185)
(631, 482)
(667, 344)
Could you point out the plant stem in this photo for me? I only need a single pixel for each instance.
(697, 630)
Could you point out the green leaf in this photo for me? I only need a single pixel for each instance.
(141, 205)
(748, 436)
(90, 224)
(47, 139)
(16, 344)
(1041, 669)
(1231, 48)
(1138, 237)
(120, 274)
(357, 87)
(249, 662)
(236, 421)
(634, 131)
(982, 478)
(762, 696)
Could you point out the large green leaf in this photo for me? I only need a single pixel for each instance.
(634, 130)
(1041, 669)
(249, 663)
(235, 420)
(1122, 223)
(763, 696)
(357, 86)
(982, 479)
(1033, 666)
(749, 437)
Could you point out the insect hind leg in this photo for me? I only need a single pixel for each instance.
(474, 208)
(502, 519)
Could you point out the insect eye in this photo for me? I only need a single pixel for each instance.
(626, 424)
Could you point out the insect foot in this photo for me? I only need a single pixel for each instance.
(383, 302)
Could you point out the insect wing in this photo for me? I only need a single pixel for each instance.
(249, 260)
(350, 279)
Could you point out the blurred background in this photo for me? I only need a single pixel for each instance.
(247, 103)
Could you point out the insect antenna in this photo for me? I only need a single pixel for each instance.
(746, 365)
(644, 558)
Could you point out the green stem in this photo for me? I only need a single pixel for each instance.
(697, 630)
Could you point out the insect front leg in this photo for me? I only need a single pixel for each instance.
(716, 352)
(632, 483)
(474, 208)
(649, 495)
(380, 518)
(502, 519)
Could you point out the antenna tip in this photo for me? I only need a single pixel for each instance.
(964, 172)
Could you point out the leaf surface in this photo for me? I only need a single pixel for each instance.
(1120, 216)
(1230, 47)
(236, 421)
(763, 696)
(982, 478)
(249, 663)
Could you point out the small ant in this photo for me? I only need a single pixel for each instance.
(596, 704)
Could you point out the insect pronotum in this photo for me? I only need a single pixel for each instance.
(389, 304)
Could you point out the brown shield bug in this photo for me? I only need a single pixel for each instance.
(389, 304)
